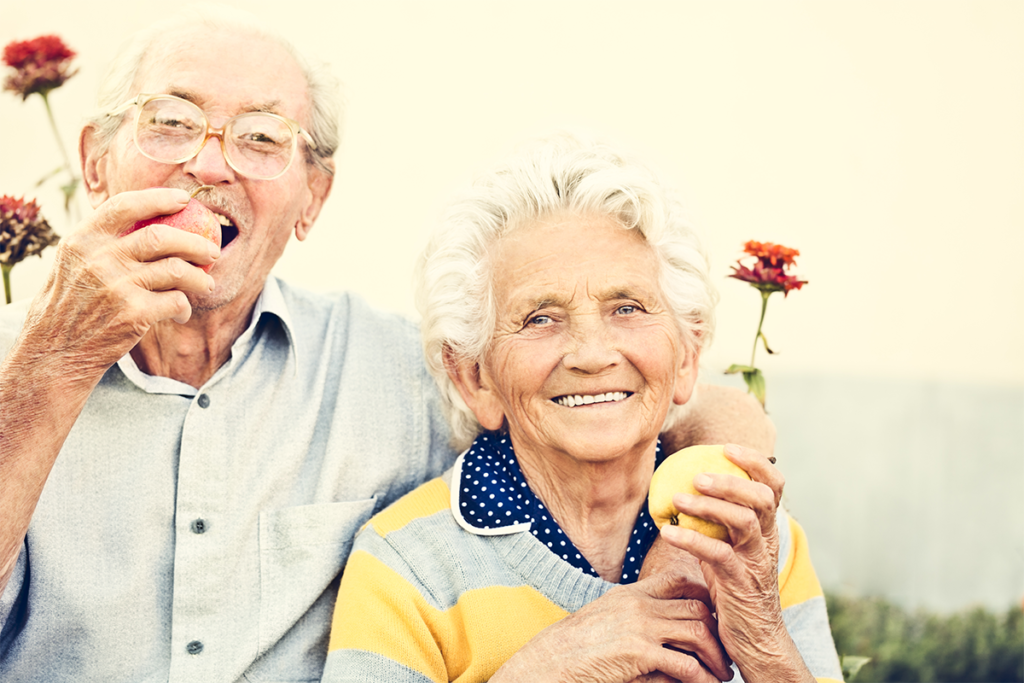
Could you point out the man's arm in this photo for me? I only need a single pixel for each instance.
(103, 294)
(721, 415)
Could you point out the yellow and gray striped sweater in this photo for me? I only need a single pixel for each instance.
(424, 599)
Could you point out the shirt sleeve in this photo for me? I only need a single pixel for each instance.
(803, 603)
(13, 602)
(441, 456)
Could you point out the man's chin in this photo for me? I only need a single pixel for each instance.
(220, 297)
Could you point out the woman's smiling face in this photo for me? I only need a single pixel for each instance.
(586, 356)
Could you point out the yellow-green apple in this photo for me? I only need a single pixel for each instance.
(675, 475)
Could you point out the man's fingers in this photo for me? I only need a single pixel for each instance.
(172, 305)
(173, 273)
(160, 241)
(121, 211)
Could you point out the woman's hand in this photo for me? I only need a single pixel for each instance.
(742, 574)
(623, 635)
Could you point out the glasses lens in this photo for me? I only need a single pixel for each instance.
(259, 145)
(170, 129)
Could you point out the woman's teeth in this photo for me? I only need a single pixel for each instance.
(578, 400)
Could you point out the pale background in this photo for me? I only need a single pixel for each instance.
(884, 140)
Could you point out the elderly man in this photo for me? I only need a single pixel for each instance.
(185, 457)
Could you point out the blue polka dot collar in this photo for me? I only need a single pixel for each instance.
(492, 498)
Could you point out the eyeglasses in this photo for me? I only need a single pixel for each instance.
(256, 144)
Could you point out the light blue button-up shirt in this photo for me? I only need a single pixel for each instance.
(197, 535)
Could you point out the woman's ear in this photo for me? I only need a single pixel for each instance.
(686, 376)
(476, 390)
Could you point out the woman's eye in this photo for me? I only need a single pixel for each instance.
(538, 320)
(627, 309)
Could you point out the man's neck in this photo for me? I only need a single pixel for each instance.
(193, 352)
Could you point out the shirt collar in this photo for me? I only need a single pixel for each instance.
(490, 497)
(270, 302)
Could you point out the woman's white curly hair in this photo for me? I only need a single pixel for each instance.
(561, 174)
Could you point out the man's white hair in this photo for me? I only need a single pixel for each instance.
(117, 86)
(558, 175)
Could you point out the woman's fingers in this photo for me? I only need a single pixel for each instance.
(685, 624)
(719, 554)
(697, 636)
(759, 468)
(631, 627)
(761, 495)
(686, 667)
(744, 523)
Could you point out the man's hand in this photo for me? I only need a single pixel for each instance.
(105, 291)
(103, 294)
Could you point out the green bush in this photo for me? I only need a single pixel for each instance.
(973, 646)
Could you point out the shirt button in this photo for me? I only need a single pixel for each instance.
(194, 648)
(198, 526)
(204, 401)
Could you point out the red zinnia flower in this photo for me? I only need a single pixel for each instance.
(40, 64)
(23, 232)
(769, 271)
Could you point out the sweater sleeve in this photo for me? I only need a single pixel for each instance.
(803, 603)
(380, 629)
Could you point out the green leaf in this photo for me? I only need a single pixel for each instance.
(69, 192)
(755, 384)
(766, 347)
(733, 369)
(851, 665)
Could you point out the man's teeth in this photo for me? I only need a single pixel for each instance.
(222, 219)
(578, 400)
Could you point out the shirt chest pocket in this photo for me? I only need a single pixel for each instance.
(302, 552)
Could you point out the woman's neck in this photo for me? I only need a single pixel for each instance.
(595, 503)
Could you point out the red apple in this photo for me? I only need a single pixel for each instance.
(193, 218)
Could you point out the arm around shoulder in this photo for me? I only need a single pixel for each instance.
(720, 415)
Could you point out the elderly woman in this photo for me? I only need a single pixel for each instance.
(565, 306)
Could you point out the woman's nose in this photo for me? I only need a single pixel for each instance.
(591, 348)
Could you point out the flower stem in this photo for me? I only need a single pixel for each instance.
(7, 279)
(70, 206)
(764, 307)
(56, 134)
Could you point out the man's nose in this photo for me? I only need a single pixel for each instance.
(209, 166)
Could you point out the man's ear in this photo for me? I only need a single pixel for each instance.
(686, 376)
(475, 390)
(94, 166)
(319, 185)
